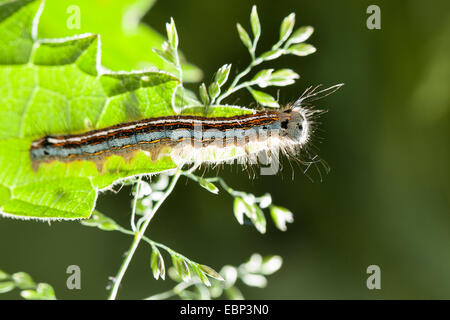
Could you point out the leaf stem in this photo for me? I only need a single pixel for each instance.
(224, 185)
(139, 235)
(255, 61)
(232, 88)
(179, 69)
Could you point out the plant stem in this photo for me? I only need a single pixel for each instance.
(172, 292)
(232, 88)
(139, 235)
(133, 211)
(156, 244)
(225, 186)
(255, 61)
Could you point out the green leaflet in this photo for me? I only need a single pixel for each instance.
(126, 43)
(56, 86)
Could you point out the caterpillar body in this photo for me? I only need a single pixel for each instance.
(190, 139)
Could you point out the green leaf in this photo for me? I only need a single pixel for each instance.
(208, 186)
(172, 34)
(287, 26)
(161, 182)
(45, 291)
(256, 25)
(233, 293)
(264, 99)
(230, 275)
(271, 264)
(260, 220)
(157, 264)
(281, 216)
(181, 267)
(271, 54)
(211, 272)
(16, 40)
(253, 265)
(240, 208)
(283, 77)
(222, 74)
(144, 206)
(245, 38)
(100, 221)
(301, 34)
(216, 111)
(166, 55)
(262, 77)
(23, 280)
(58, 86)
(254, 280)
(173, 274)
(302, 49)
(214, 90)
(216, 290)
(3, 275)
(265, 201)
(203, 292)
(204, 94)
(185, 97)
(126, 41)
(7, 286)
(141, 189)
(30, 295)
(202, 276)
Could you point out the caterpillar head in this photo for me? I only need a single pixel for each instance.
(297, 121)
(295, 125)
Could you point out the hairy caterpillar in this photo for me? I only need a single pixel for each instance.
(191, 139)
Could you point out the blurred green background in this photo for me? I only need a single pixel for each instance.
(386, 200)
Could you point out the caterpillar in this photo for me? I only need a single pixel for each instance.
(191, 139)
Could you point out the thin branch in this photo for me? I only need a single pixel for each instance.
(173, 292)
(133, 211)
(232, 88)
(139, 235)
